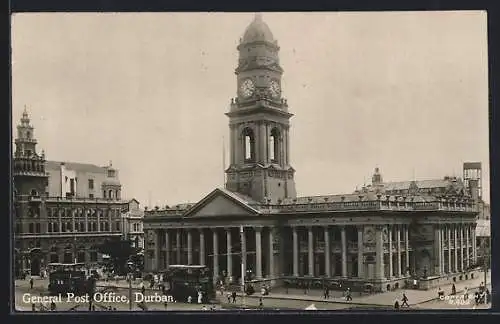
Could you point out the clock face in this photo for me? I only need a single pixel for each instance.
(275, 89)
(247, 88)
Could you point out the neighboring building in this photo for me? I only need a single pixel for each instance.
(382, 235)
(59, 214)
(83, 180)
(483, 241)
(133, 224)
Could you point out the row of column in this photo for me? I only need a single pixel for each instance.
(379, 251)
(215, 242)
(460, 245)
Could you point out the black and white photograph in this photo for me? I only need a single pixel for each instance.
(233, 161)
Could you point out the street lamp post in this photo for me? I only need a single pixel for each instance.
(129, 290)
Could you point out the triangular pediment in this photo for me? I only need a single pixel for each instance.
(221, 203)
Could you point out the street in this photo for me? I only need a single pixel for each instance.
(276, 300)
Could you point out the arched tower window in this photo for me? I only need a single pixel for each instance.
(110, 194)
(249, 144)
(274, 145)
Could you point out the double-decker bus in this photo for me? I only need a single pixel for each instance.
(182, 281)
(70, 278)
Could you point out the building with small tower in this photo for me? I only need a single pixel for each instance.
(382, 235)
(62, 211)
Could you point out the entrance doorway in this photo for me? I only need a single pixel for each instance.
(35, 261)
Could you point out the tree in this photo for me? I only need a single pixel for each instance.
(119, 252)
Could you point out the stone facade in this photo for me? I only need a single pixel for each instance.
(382, 235)
(64, 228)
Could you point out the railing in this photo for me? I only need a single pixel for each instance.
(85, 200)
(366, 205)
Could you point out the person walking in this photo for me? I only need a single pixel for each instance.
(396, 304)
(453, 289)
(228, 297)
(261, 304)
(31, 283)
(234, 297)
(404, 301)
(348, 296)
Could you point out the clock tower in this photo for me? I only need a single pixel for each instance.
(259, 121)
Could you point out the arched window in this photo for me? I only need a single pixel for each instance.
(249, 144)
(274, 145)
(28, 134)
(110, 194)
(104, 194)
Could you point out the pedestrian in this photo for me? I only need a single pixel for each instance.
(488, 296)
(234, 297)
(466, 293)
(348, 296)
(33, 307)
(31, 283)
(190, 299)
(327, 292)
(143, 289)
(261, 304)
(440, 292)
(200, 297)
(396, 304)
(404, 301)
(476, 297)
(52, 306)
(453, 289)
(228, 297)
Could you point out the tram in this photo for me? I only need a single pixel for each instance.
(189, 280)
(70, 278)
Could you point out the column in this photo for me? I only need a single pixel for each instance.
(344, 251)
(442, 242)
(449, 250)
(202, 247)
(232, 144)
(310, 251)
(178, 245)
(229, 255)
(407, 251)
(167, 249)
(462, 263)
(474, 244)
(389, 236)
(190, 247)
(295, 244)
(271, 253)
(455, 251)
(379, 250)
(437, 250)
(398, 249)
(216, 253)
(156, 257)
(263, 151)
(360, 253)
(98, 221)
(258, 252)
(327, 252)
(467, 245)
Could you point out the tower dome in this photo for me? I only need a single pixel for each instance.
(258, 31)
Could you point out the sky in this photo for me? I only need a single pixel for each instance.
(404, 91)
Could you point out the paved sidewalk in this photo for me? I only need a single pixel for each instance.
(415, 297)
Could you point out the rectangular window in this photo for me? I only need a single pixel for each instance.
(91, 196)
(111, 173)
(37, 228)
(31, 228)
(91, 184)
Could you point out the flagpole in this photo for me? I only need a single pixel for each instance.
(243, 270)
